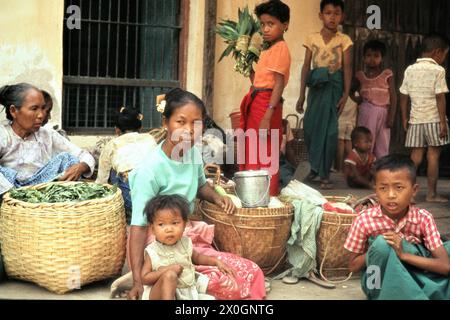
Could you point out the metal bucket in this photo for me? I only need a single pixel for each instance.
(252, 187)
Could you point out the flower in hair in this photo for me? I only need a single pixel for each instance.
(161, 103)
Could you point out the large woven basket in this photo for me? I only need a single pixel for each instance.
(63, 246)
(298, 144)
(332, 259)
(258, 234)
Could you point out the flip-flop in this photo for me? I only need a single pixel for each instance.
(290, 280)
(313, 278)
(267, 284)
(326, 186)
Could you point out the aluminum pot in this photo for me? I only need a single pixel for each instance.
(252, 187)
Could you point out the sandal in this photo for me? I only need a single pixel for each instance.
(314, 279)
(290, 280)
(326, 185)
(267, 284)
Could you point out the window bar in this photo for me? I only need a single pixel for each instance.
(77, 117)
(118, 39)
(69, 59)
(89, 42)
(144, 42)
(124, 98)
(105, 111)
(98, 44)
(162, 39)
(107, 43)
(136, 47)
(86, 116)
(96, 107)
(155, 43)
(126, 41)
(79, 49)
(134, 97)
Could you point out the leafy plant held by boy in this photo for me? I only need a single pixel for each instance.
(244, 41)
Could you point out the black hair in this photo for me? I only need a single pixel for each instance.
(47, 97)
(274, 8)
(14, 95)
(434, 41)
(128, 119)
(172, 202)
(375, 45)
(177, 98)
(396, 162)
(210, 124)
(48, 104)
(335, 3)
(359, 132)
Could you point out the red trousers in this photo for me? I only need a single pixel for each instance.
(261, 153)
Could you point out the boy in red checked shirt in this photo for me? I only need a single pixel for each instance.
(398, 243)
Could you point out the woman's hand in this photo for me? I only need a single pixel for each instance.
(265, 124)
(390, 122)
(299, 105)
(395, 241)
(224, 268)
(74, 172)
(225, 203)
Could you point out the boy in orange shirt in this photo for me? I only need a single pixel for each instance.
(262, 107)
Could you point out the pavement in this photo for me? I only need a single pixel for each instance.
(303, 290)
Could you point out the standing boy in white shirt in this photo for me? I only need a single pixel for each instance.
(427, 127)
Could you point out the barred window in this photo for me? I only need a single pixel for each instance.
(126, 53)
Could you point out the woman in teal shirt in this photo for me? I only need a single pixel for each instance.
(175, 167)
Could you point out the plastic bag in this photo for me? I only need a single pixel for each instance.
(297, 190)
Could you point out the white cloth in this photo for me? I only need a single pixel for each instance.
(422, 82)
(28, 155)
(124, 153)
(212, 149)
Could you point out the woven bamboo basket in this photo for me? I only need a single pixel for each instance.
(213, 171)
(332, 259)
(63, 246)
(298, 144)
(258, 234)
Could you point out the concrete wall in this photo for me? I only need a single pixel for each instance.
(230, 87)
(31, 46)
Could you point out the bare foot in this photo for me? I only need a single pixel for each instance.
(310, 177)
(437, 199)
